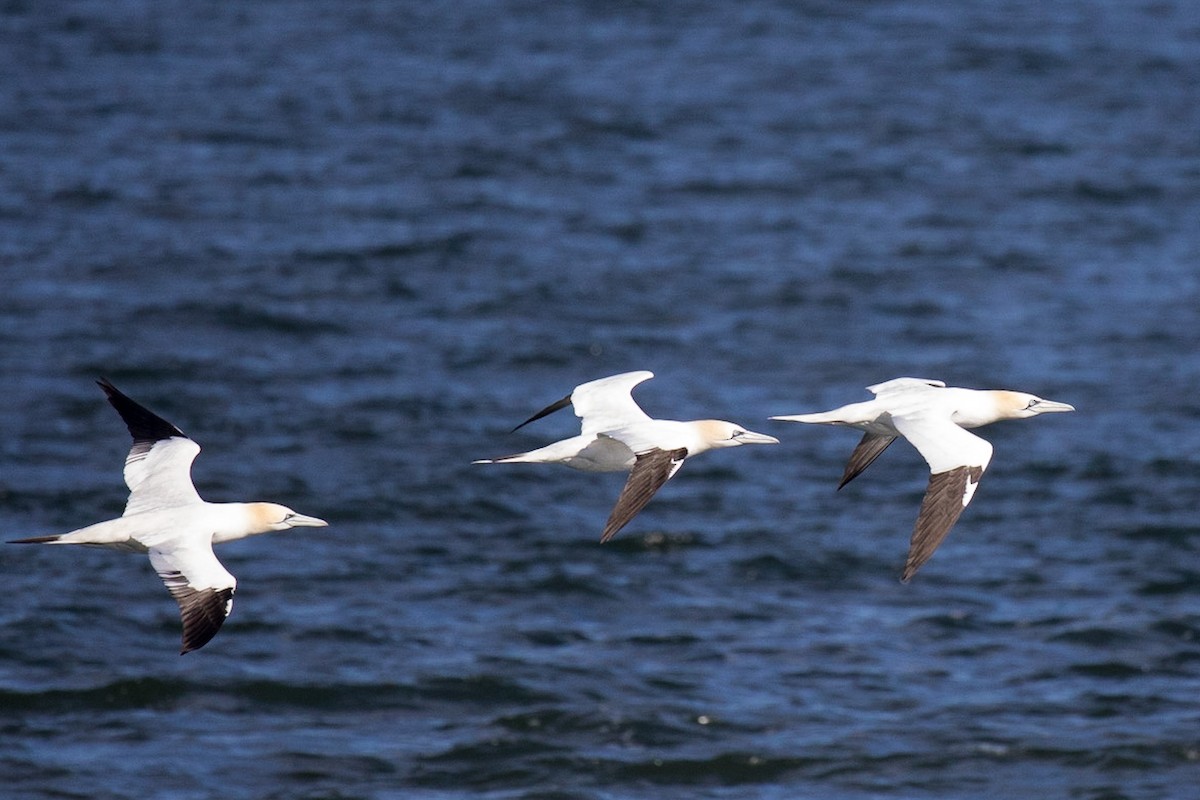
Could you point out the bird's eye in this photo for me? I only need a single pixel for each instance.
(1033, 403)
(736, 434)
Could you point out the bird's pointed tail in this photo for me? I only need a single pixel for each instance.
(821, 417)
(515, 458)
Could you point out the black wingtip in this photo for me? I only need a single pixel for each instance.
(550, 409)
(203, 613)
(144, 425)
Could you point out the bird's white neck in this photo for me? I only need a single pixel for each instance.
(974, 407)
(238, 520)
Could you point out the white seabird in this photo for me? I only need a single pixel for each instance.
(166, 518)
(618, 436)
(932, 417)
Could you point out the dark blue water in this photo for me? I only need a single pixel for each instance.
(347, 246)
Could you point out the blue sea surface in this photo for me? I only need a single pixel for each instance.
(348, 246)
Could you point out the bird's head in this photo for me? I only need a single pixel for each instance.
(274, 517)
(1018, 405)
(718, 433)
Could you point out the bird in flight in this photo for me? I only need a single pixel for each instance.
(165, 518)
(617, 436)
(934, 419)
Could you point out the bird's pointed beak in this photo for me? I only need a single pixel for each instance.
(750, 437)
(1050, 406)
(301, 521)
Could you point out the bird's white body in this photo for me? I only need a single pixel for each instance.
(617, 449)
(934, 419)
(588, 453)
(617, 436)
(165, 528)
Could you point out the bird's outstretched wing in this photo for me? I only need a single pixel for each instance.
(957, 460)
(158, 469)
(602, 404)
(201, 586)
(652, 469)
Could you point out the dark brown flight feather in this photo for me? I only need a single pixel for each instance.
(940, 509)
(650, 471)
(869, 448)
(203, 611)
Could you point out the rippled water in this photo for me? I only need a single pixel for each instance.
(348, 246)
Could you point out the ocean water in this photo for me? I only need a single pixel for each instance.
(347, 246)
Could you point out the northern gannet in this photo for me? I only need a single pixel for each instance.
(932, 417)
(618, 436)
(166, 518)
